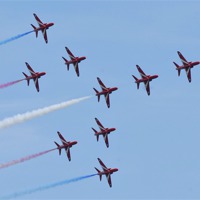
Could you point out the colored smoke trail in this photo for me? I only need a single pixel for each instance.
(14, 162)
(45, 187)
(15, 37)
(10, 83)
(7, 122)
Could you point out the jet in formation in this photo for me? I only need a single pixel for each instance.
(42, 27)
(186, 65)
(103, 131)
(34, 75)
(73, 60)
(144, 79)
(105, 91)
(65, 145)
(106, 171)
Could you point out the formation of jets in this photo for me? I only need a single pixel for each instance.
(67, 145)
(105, 91)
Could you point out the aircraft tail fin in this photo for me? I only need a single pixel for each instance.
(97, 94)
(177, 67)
(58, 146)
(66, 62)
(99, 173)
(96, 134)
(28, 80)
(35, 29)
(136, 80)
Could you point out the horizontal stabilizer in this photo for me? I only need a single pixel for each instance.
(28, 80)
(35, 29)
(177, 68)
(136, 81)
(58, 146)
(66, 62)
(97, 94)
(99, 173)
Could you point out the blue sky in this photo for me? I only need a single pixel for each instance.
(156, 144)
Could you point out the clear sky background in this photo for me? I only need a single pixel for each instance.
(156, 144)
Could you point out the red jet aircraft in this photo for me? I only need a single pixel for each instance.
(106, 171)
(103, 131)
(145, 79)
(65, 145)
(74, 60)
(42, 27)
(34, 75)
(186, 65)
(105, 91)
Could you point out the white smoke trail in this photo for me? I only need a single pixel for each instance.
(19, 118)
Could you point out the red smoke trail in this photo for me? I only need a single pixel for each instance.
(10, 83)
(14, 162)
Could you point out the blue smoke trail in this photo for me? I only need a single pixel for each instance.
(41, 188)
(15, 37)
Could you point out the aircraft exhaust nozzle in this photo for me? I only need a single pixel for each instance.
(99, 173)
(58, 146)
(35, 29)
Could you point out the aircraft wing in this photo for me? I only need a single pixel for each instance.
(106, 139)
(101, 127)
(30, 69)
(37, 84)
(72, 57)
(147, 87)
(102, 165)
(109, 179)
(38, 20)
(103, 87)
(107, 97)
(44, 32)
(183, 60)
(188, 73)
(64, 142)
(142, 74)
(76, 68)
